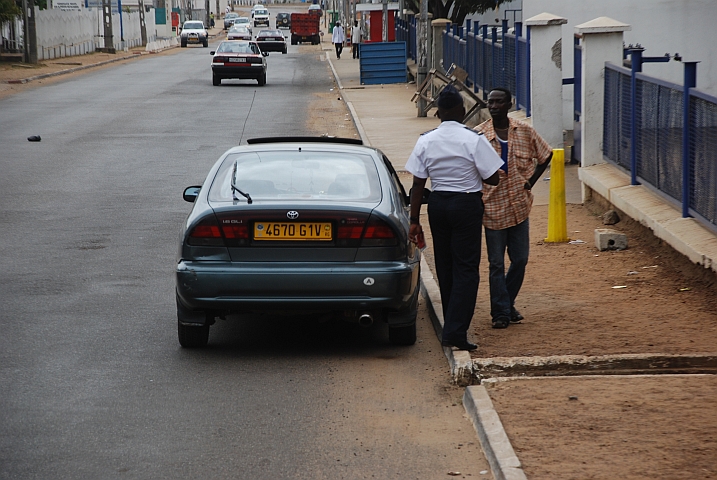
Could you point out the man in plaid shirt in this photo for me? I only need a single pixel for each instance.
(507, 206)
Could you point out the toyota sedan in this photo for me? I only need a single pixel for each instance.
(238, 59)
(237, 32)
(298, 225)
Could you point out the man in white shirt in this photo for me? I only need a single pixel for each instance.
(338, 37)
(355, 39)
(458, 161)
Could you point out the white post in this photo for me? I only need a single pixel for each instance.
(546, 76)
(601, 42)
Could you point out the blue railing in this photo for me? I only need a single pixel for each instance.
(491, 58)
(656, 130)
(406, 32)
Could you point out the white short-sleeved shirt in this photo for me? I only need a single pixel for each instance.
(454, 157)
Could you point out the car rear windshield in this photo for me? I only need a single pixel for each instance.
(236, 47)
(194, 25)
(298, 175)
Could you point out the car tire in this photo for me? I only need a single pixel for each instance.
(403, 335)
(206, 43)
(262, 80)
(216, 81)
(184, 44)
(193, 336)
(293, 40)
(284, 52)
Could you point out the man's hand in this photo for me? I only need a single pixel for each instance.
(414, 232)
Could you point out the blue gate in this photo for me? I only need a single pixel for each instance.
(382, 62)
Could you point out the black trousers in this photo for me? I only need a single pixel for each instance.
(339, 49)
(355, 49)
(456, 220)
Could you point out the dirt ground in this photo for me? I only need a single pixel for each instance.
(581, 428)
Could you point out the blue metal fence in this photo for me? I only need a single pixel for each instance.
(659, 129)
(492, 58)
(406, 32)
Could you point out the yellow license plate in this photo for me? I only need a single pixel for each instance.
(292, 231)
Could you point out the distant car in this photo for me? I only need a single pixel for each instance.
(316, 9)
(194, 32)
(283, 20)
(238, 32)
(229, 19)
(244, 22)
(261, 17)
(271, 41)
(298, 226)
(238, 59)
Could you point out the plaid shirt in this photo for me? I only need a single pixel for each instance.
(508, 203)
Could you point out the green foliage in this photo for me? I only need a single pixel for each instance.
(8, 10)
(458, 9)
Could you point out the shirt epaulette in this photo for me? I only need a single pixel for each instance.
(429, 131)
(474, 131)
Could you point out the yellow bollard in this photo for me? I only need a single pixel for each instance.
(557, 221)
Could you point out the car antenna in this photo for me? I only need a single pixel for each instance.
(247, 117)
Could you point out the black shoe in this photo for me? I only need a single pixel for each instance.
(515, 316)
(460, 345)
(501, 322)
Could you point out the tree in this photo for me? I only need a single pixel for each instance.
(8, 10)
(457, 9)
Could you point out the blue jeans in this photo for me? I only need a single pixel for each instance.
(505, 287)
(456, 220)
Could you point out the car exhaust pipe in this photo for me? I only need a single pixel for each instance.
(365, 320)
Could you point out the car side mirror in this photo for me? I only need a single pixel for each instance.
(266, 54)
(191, 193)
(212, 52)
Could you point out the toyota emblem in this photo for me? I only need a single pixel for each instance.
(292, 214)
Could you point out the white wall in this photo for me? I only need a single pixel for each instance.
(499, 14)
(62, 34)
(686, 27)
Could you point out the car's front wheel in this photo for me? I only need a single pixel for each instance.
(206, 43)
(403, 335)
(184, 43)
(193, 336)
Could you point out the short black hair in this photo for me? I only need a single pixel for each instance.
(504, 90)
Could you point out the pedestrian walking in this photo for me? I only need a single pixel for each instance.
(227, 10)
(338, 37)
(211, 20)
(525, 155)
(458, 162)
(355, 39)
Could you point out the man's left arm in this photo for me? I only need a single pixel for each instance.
(541, 149)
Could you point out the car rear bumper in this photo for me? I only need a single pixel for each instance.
(238, 72)
(226, 286)
(272, 46)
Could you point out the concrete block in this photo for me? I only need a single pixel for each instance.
(609, 239)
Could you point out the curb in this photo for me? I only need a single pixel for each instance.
(504, 463)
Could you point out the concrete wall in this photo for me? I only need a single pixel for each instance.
(62, 34)
(686, 27)
(496, 16)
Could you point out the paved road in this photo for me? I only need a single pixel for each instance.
(93, 383)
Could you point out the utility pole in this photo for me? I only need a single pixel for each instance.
(142, 23)
(422, 54)
(384, 27)
(206, 13)
(107, 22)
(29, 32)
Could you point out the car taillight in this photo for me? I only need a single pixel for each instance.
(206, 233)
(220, 59)
(349, 231)
(378, 233)
(235, 229)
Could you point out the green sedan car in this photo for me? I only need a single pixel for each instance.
(298, 225)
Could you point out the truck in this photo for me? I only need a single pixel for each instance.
(305, 28)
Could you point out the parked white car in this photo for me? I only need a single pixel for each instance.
(193, 31)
